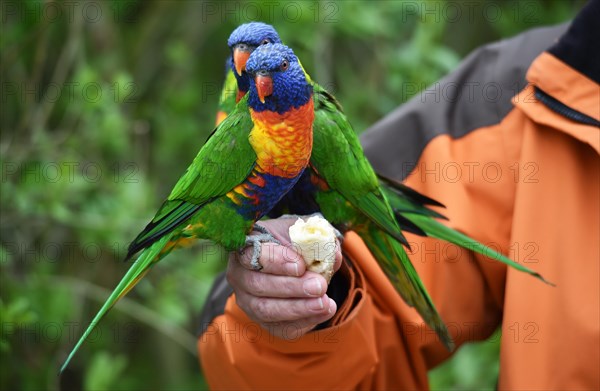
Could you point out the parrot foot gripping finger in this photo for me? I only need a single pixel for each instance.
(256, 242)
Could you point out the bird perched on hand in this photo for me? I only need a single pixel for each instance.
(250, 161)
(341, 184)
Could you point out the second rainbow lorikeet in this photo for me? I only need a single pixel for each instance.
(250, 161)
(237, 82)
(341, 184)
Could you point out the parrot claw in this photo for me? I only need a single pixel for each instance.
(294, 216)
(261, 229)
(256, 241)
(289, 216)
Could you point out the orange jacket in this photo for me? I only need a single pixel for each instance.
(523, 177)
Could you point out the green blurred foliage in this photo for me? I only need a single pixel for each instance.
(103, 106)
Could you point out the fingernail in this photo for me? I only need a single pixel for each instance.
(315, 305)
(291, 268)
(331, 305)
(312, 287)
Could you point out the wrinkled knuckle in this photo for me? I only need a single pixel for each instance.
(263, 310)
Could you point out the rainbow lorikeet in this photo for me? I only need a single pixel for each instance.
(250, 161)
(341, 184)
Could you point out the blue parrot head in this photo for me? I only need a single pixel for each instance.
(279, 81)
(247, 37)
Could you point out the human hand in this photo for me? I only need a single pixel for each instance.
(283, 297)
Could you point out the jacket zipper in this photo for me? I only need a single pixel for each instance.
(564, 110)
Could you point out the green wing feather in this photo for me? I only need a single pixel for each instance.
(339, 160)
(225, 160)
(170, 215)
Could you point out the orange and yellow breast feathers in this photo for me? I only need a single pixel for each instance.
(283, 142)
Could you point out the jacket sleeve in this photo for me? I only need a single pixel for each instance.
(456, 148)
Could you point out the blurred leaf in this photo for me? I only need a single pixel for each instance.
(104, 370)
(473, 366)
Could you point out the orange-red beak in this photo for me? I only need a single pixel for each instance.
(264, 86)
(240, 58)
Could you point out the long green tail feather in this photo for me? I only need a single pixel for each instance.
(397, 266)
(135, 273)
(411, 205)
(438, 230)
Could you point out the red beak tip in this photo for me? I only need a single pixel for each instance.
(264, 87)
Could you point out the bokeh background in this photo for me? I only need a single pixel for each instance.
(103, 106)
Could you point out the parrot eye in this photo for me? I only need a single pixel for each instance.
(284, 65)
(265, 41)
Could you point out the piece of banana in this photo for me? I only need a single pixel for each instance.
(314, 239)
